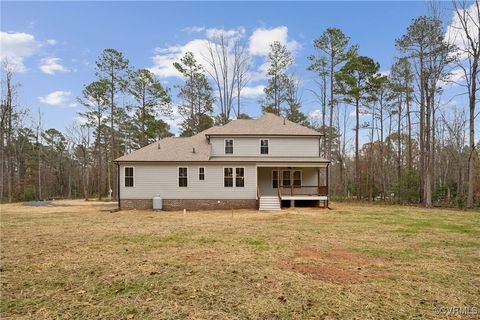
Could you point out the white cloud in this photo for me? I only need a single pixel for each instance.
(52, 42)
(50, 65)
(253, 92)
(262, 38)
(55, 98)
(214, 33)
(15, 47)
(315, 114)
(455, 33)
(455, 77)
(385, 72)
(258, 44)
(165, 57)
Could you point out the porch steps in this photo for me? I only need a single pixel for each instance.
(269, 203)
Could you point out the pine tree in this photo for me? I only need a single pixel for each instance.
(112, 67)
(95, 97)
(279, 59)
(152, 100)
(354, 80)
(196, 95)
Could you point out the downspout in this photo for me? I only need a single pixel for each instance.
(328, 184)
(118, 184)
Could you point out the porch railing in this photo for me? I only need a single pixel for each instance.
(302, 191)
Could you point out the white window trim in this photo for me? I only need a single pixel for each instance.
(178, 176)
(260, 147)
(225, 146)
(204, 174)
(235, 176)
(125, 176)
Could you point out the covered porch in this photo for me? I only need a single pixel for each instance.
(292, 184)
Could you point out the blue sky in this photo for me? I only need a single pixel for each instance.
(55, 44)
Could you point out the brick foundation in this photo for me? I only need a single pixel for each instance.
(191, 204)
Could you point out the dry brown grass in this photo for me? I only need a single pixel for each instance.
(78, 260)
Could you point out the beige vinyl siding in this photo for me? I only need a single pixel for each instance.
(154, 178)
(277, 146)
(309, 178)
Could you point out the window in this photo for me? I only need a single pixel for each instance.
(228, 177)
(228, 146)
(201, 174)
(274, 179)
(240, 177)
(128, 176)
(183, 177)
(286, 178)
(297, 178)
(264, 146)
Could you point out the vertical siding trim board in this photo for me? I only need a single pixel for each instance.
(118, 184)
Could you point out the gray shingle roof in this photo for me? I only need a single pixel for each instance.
(178, 149)
(268, 124)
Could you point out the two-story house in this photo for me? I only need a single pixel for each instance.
(262, 163)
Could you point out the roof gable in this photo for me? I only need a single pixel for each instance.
(268, 124)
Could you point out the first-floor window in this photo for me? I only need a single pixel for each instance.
(297, 178)
(240, 177)
(183, 177)
(201, 174)
(128, 176)
(228, 177)
(274, 179)
(286, 178)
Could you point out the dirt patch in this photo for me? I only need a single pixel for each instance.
(337, 266)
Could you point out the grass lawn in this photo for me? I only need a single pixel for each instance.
(77, 260)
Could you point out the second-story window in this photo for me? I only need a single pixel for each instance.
(228, 146)
(264, 146)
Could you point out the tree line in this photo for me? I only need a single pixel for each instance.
(408, 146)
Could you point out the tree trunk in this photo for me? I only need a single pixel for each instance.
(421, 165)
(357, 157)
(332, 75)
(472, 153)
